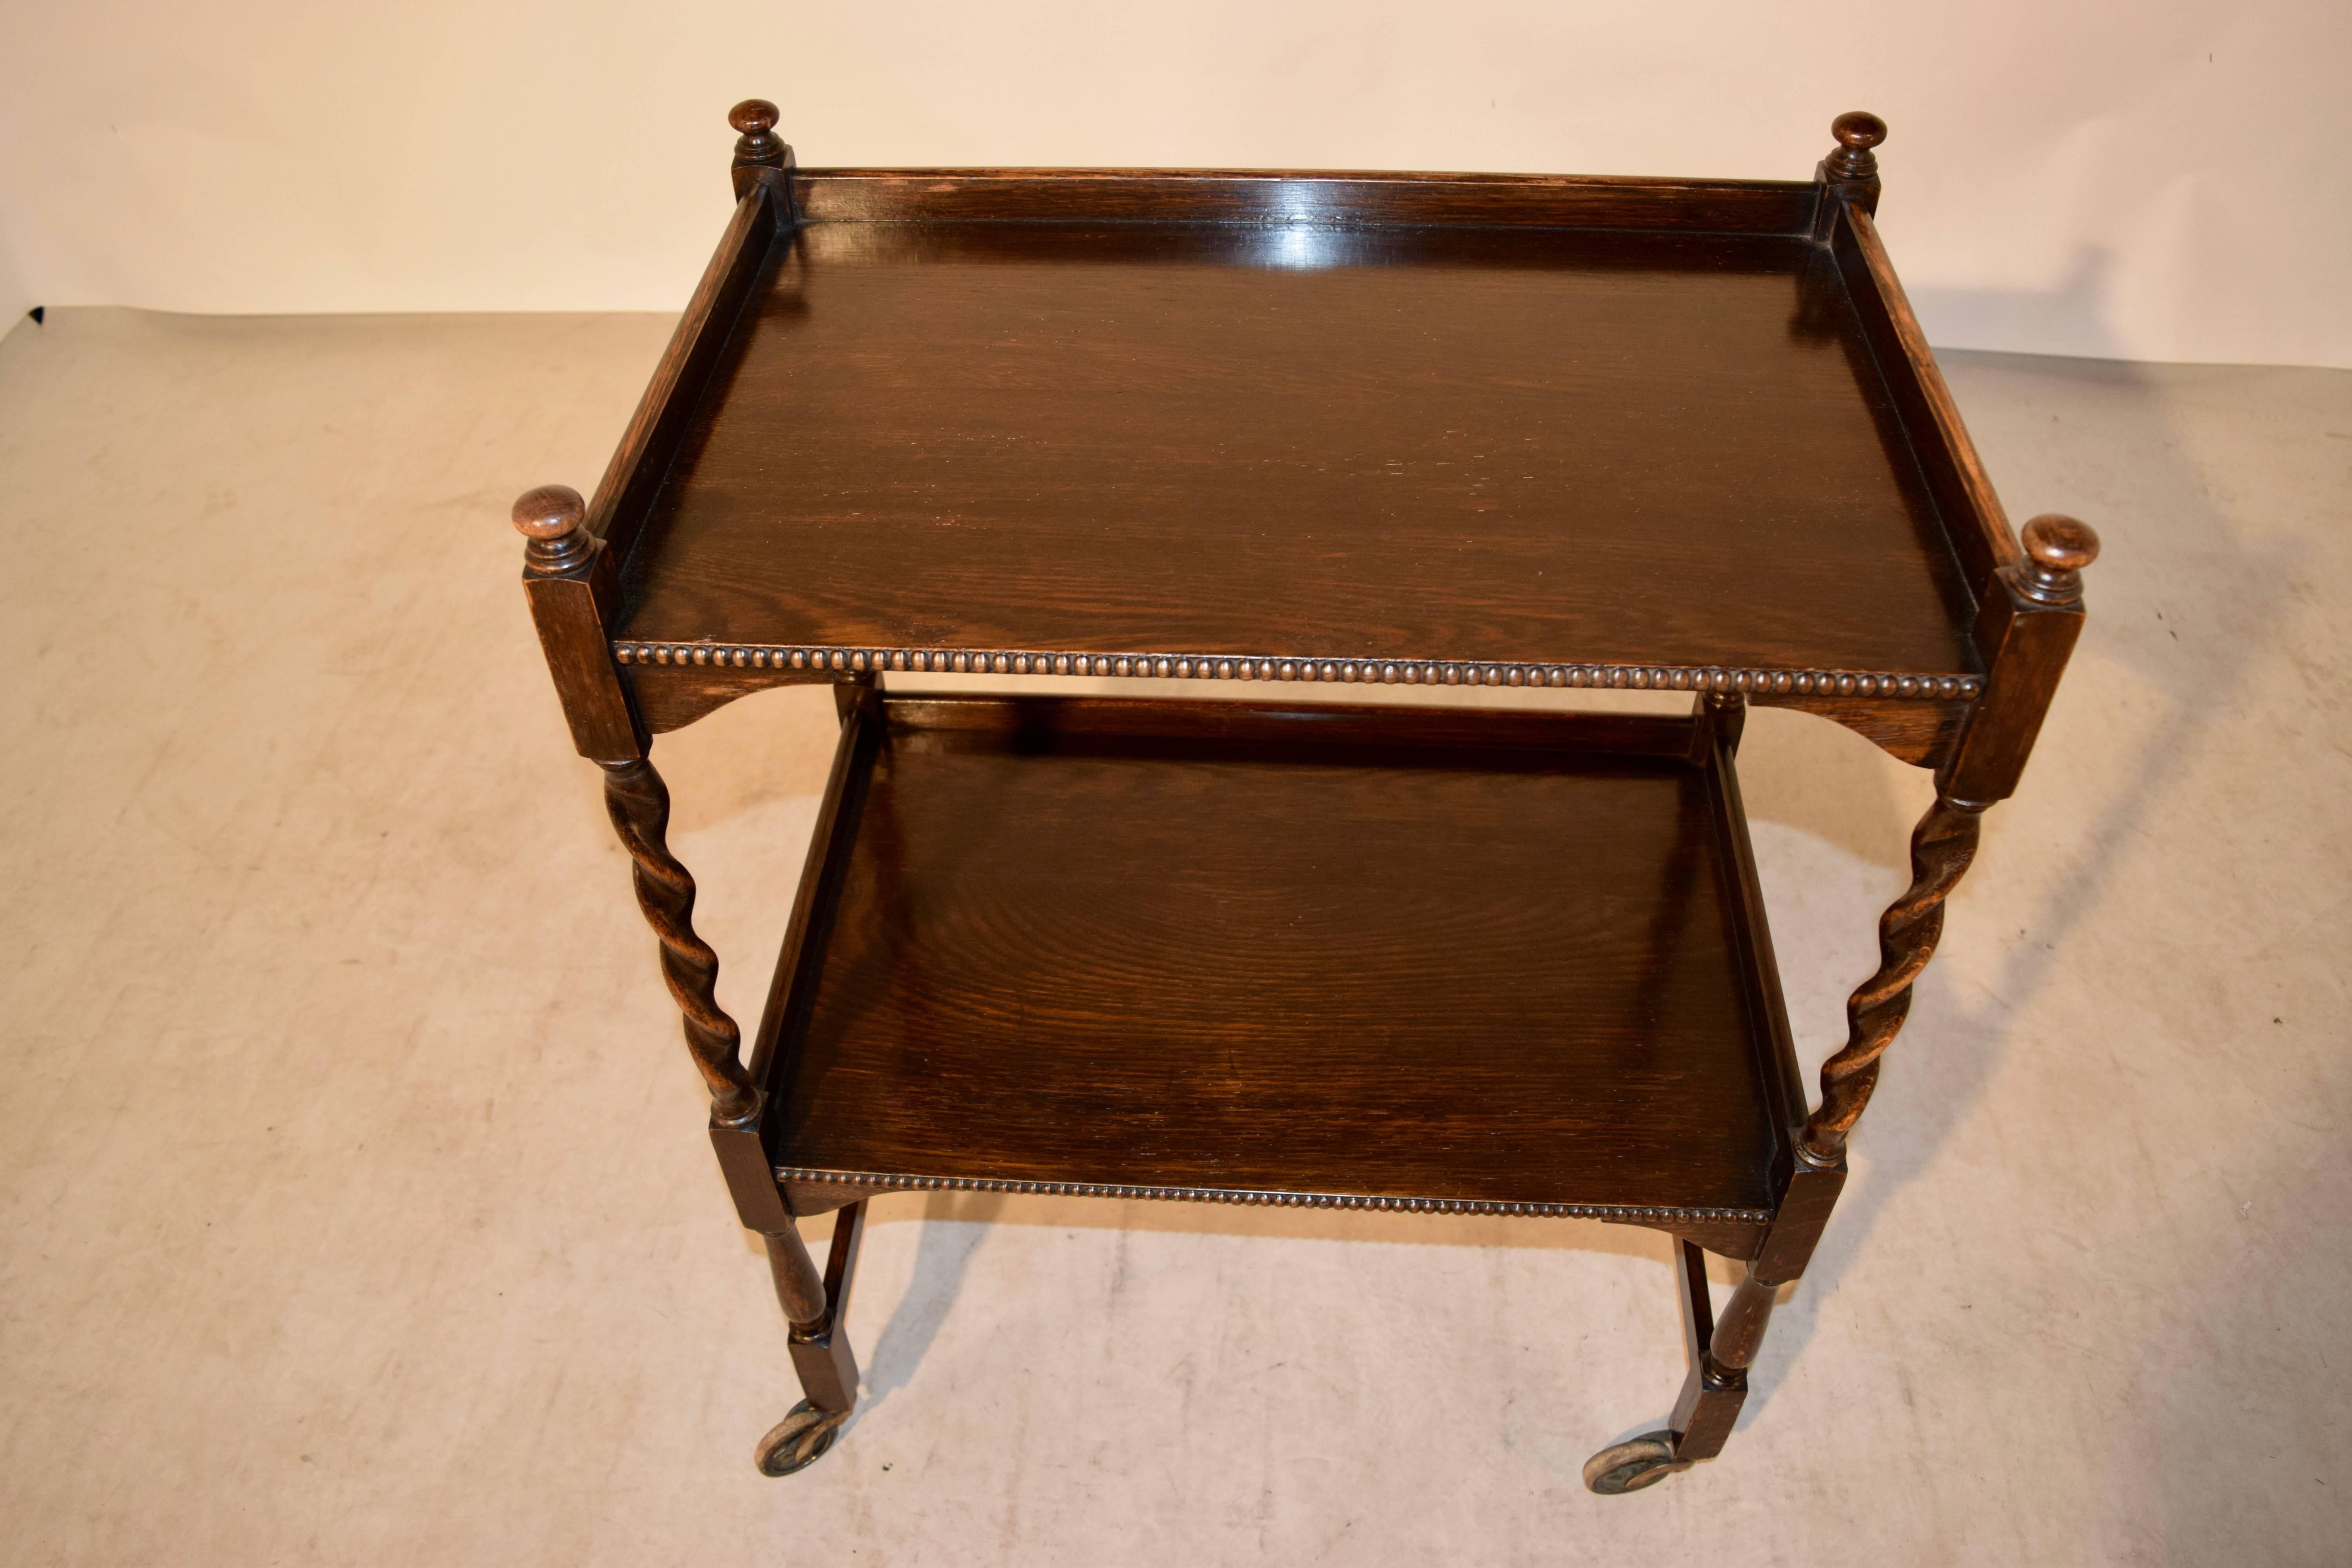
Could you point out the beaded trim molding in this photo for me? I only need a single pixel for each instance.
(1373, 671)
(1619, 1211)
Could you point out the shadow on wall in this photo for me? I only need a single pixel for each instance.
(2069, 319)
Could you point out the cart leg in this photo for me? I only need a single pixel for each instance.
(638, 803)
(818, 1308)
(1717, 1384)
(1719, 1352)
(1942, 846)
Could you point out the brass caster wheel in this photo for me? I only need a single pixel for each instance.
(1630, 1465)
(799, 1440)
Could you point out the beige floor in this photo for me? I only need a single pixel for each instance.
(357, 1209)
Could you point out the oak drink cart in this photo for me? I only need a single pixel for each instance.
(1286, 432)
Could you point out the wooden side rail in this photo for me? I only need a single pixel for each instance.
(1979, 527)
(625, 493)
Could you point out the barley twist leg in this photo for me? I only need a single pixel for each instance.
(1941, 847)
(638, 803)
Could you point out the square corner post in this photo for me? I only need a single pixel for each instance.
(2024, 632)
(572, 585)
(2029, 617)
(2030, 613)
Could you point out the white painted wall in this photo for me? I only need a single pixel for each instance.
(2165, 180)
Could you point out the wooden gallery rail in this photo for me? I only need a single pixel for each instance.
(1281, 434)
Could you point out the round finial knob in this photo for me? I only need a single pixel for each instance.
(1857, 132)
(548, 513)
(2057, 548)
(758, 147)
(550, 518)
(2060, 543)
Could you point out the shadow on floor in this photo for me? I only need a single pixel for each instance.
(954, 1226)
(1970, 1041)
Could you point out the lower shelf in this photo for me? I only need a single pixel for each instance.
(1494, 962)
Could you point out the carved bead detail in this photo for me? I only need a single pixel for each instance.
(1375, 671)
(1619, 1212)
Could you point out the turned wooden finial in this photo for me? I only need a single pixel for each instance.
(551, 517)
(2057, 548)
(756, 119)
(760, 147)
(1856, 133)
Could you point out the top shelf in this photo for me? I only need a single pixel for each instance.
(1459, 421)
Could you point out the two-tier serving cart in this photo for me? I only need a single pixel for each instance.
(1285, 432)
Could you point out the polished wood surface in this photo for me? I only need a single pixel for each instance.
(2028, 626)
(760, 153)
(1291, 427)
(2057, 548)
(1857, 132)
(1467, 958)
(1978, 526)
(1286, 196)
(1433, 443)
(634, 477)
(572, 581)
(1712, 1392)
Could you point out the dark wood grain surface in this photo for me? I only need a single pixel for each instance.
(1476, 958)
(1305, 428)
(1312, 440)
(1978, 524)
(1317, 196)
(633, 476)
